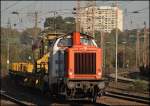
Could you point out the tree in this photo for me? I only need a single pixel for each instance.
(60, 24)
(25, 38)
(98, 38)
(11, 36)
(28, 35)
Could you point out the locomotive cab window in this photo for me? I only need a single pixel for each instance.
(65, 42)
(86, 41)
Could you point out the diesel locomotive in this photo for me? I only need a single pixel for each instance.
(68, 65)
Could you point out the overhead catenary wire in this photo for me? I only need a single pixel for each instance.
(10, 6)
(141, 9)
(135, 12)
(26, 7)
(59, 10)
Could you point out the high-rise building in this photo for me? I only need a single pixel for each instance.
(104, 18)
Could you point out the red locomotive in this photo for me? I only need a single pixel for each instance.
(72, 67)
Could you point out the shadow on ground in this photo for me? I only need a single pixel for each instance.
(34, 96)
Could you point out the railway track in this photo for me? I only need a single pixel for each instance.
(40, 100)
(122, 79)
(129, 97)
(12, 99)
(126, 90)
(53, 103)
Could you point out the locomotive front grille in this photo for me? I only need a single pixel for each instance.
(85, 63)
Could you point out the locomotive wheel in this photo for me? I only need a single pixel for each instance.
(94, 98)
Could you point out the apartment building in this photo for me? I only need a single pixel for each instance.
(101, 18)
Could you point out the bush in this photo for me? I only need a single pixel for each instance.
(139, 86)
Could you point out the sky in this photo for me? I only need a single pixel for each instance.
(44, 8)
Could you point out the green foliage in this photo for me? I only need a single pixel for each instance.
(28, 35)
(11, 36)
(25, 38)
(20, 42)
(139, 86)
(18, 51)
(60, 24)
(25, 53)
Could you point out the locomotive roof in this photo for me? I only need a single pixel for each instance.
(82, 34)
(53, 36)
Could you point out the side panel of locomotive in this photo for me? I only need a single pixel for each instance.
(56, 63)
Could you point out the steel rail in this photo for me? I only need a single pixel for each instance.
(13, 99)
(124, 89)
(81, 100)
(126, 96)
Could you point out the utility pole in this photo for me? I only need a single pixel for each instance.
(116, 72)
(124, 54)
(103, 47)
(102, 43)
(35, 23)
(35, 33)
(93, 17)
(77, 16)
(145, 46)
(92, 4)
(107, 56)
(148, 48)
(55, 21)
(8, 34)
(137, 48)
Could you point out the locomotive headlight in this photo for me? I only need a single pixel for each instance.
(70, 85)
(99, 74)
(70, 73)
(101, 85)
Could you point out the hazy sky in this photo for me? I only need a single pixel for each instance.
(26, 8)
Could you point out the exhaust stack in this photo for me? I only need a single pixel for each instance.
(76, 38)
